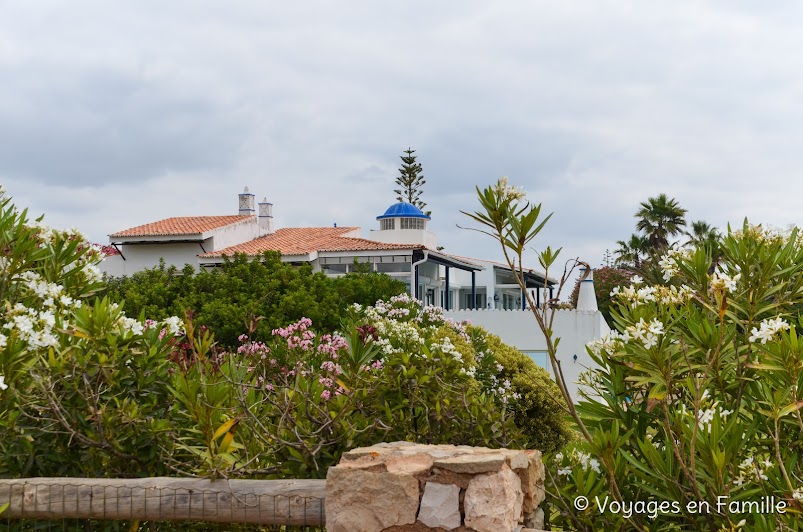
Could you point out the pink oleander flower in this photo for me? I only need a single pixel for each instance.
(297, 334)
(332, 345)
(331, 367)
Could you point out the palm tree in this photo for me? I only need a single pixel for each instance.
(632, 251)
(659, 219)
(704, 235)
(701, 233)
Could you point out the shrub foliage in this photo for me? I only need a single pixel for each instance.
(698, 399)
(229, 299)
(86, 390)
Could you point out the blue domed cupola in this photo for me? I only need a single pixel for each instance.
(403, 210)
(408, 215)
(404, 223)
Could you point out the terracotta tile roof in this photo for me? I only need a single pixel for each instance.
(185, 225)
(303, 240)
(362, 244)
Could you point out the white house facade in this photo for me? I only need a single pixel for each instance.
(517, 328)
(481, 291)
(402, 247)
(179, 241)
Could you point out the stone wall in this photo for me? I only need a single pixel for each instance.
(407, 487)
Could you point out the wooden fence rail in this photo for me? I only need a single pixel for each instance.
(274, 502)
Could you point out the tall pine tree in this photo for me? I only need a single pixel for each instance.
(410, 181)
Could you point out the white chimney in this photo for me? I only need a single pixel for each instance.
(246, 203)
(587, 298)
(265, 217)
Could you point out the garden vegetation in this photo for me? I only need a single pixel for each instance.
(88, 390)
(692, 419)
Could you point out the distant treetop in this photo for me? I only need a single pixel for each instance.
(410, 181)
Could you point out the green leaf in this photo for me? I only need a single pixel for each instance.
(788, 409)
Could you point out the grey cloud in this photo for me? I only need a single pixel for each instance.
(95, 127)
(592, 107)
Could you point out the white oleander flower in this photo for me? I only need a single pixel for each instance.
(724, 283)
(508, 192)
(174, 325)
(768, 328)
(92, 273)
(132, 325)
(669, 262)
(646, 333)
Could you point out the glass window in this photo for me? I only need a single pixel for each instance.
(412, 223)
(335, 268)
(388, 224)
(540, 358)
(393, 267)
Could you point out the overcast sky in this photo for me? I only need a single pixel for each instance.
(114, 114)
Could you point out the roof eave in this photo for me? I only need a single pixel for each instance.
(529, 273)
(384, 216)
(293, 257)
(448, 260)
(193, 238)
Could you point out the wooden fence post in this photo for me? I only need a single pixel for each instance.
(280, 502)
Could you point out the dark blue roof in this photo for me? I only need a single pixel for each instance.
(403, 210)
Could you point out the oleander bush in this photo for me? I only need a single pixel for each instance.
(692, 418)
(698, 396)
(398, 372)
(83, 387)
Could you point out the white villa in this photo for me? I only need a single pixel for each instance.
(481, 291)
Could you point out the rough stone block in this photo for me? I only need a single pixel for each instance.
(440, 506)
(472, 463)
(535, 519)
(532, 481)
(516, 459)
(415, 465)
(407, 487)
(361, 452)
(493, 501)
(364, 501)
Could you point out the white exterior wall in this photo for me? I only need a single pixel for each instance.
(139, 257)
(405, 236)
(519, 329)
(233, 234)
